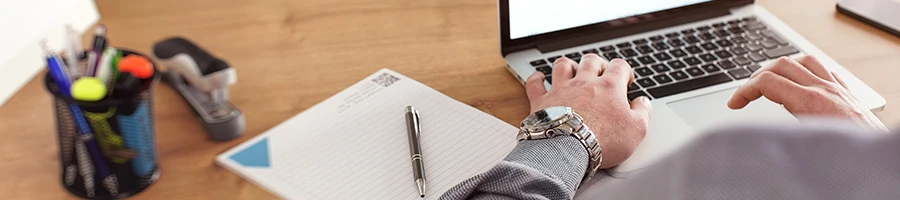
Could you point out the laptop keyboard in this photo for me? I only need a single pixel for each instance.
(690, 59)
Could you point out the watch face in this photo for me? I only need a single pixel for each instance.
(546, 115)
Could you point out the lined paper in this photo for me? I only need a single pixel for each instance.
(354, 145)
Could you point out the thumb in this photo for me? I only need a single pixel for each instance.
(534, 86)
(642, 107)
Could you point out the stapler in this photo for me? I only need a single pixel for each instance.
(203, 80)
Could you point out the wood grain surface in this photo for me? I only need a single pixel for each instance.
(292, 54)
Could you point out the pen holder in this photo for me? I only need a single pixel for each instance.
(106, 147)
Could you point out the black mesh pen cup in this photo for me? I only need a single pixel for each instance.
(107, 147)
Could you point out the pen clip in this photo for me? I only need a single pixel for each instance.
(418, 122)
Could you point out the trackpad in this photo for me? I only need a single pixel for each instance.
(711, 110)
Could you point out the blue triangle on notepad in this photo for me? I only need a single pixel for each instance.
(257, 155)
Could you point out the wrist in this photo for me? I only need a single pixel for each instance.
(561, 158)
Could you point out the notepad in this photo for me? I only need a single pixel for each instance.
(354, 145)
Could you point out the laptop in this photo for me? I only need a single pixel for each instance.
(688, 56)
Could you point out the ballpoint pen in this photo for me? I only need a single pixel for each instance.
(97, 50)
(414, 131)
(73, 52)
(62, 81)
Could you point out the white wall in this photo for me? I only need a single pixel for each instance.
(23, 24)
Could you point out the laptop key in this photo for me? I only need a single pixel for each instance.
(646, 60)
(676, 42)
(607, 48)
(691, 39)
(749, 19)
(695, 71)
(644, 49)
(644, 71)
(673, 35)
(724, 43)
(718, 25)
(733, 22)
(659, 46)
(741, 60)
(755, 57)
(710, 68)
(727, 64)
(538, 63)
(753, 47)
(739, 39)
(692, 61)
(660, 68)
(738, 50)
(779, 40)
(662, 79)
(708, 57)
(723, 54)
(593, 51)
(623, 45)
(779, 52)
(678, 75)
(633, 87)
(704, 28)
(553, 59)
(754, 26)
(657, 38)
(693, 49)
(706, 36)
(646, 82)
(688, 31)
(739, 73)
(640, 41)
(769, 44)
(662, 56)
(633, 63)
(635, 94)
(612, 55)
(688, 85)
(709, 46)
(549, 79)
(735, 30)
(546, 70)
(678, 53)
(628, 52)
(573, 55)
(677, 64)
(753, 68)
(754, 36)
(722, 33)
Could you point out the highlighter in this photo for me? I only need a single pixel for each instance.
(138, 66)
(88, 89)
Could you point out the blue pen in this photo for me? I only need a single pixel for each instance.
(62, 81)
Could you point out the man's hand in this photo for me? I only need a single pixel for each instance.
(805, 88)
(597, 93)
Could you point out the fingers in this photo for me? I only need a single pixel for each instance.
(619, 74)
(792, 70)
(591, 66)
(839, 80)
(773, 86)
(816, 67)
(642, 107)
(534, 86)
(563, 70)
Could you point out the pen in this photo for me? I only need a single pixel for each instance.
(62, 82)
(414, 130)
(73, 52)
(105, 68)
(97, 51)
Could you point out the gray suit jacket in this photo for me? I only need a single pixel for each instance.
(817, 159)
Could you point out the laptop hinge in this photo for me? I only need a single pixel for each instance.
(626, 31)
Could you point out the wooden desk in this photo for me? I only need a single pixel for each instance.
(292, 54)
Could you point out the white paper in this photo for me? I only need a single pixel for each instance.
(354, 145)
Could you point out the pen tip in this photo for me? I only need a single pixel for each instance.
(423, 196)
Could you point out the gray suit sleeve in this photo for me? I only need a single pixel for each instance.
(818, 159)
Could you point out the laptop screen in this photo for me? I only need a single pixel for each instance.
(527, 18)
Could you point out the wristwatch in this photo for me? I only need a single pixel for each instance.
(562, 121)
